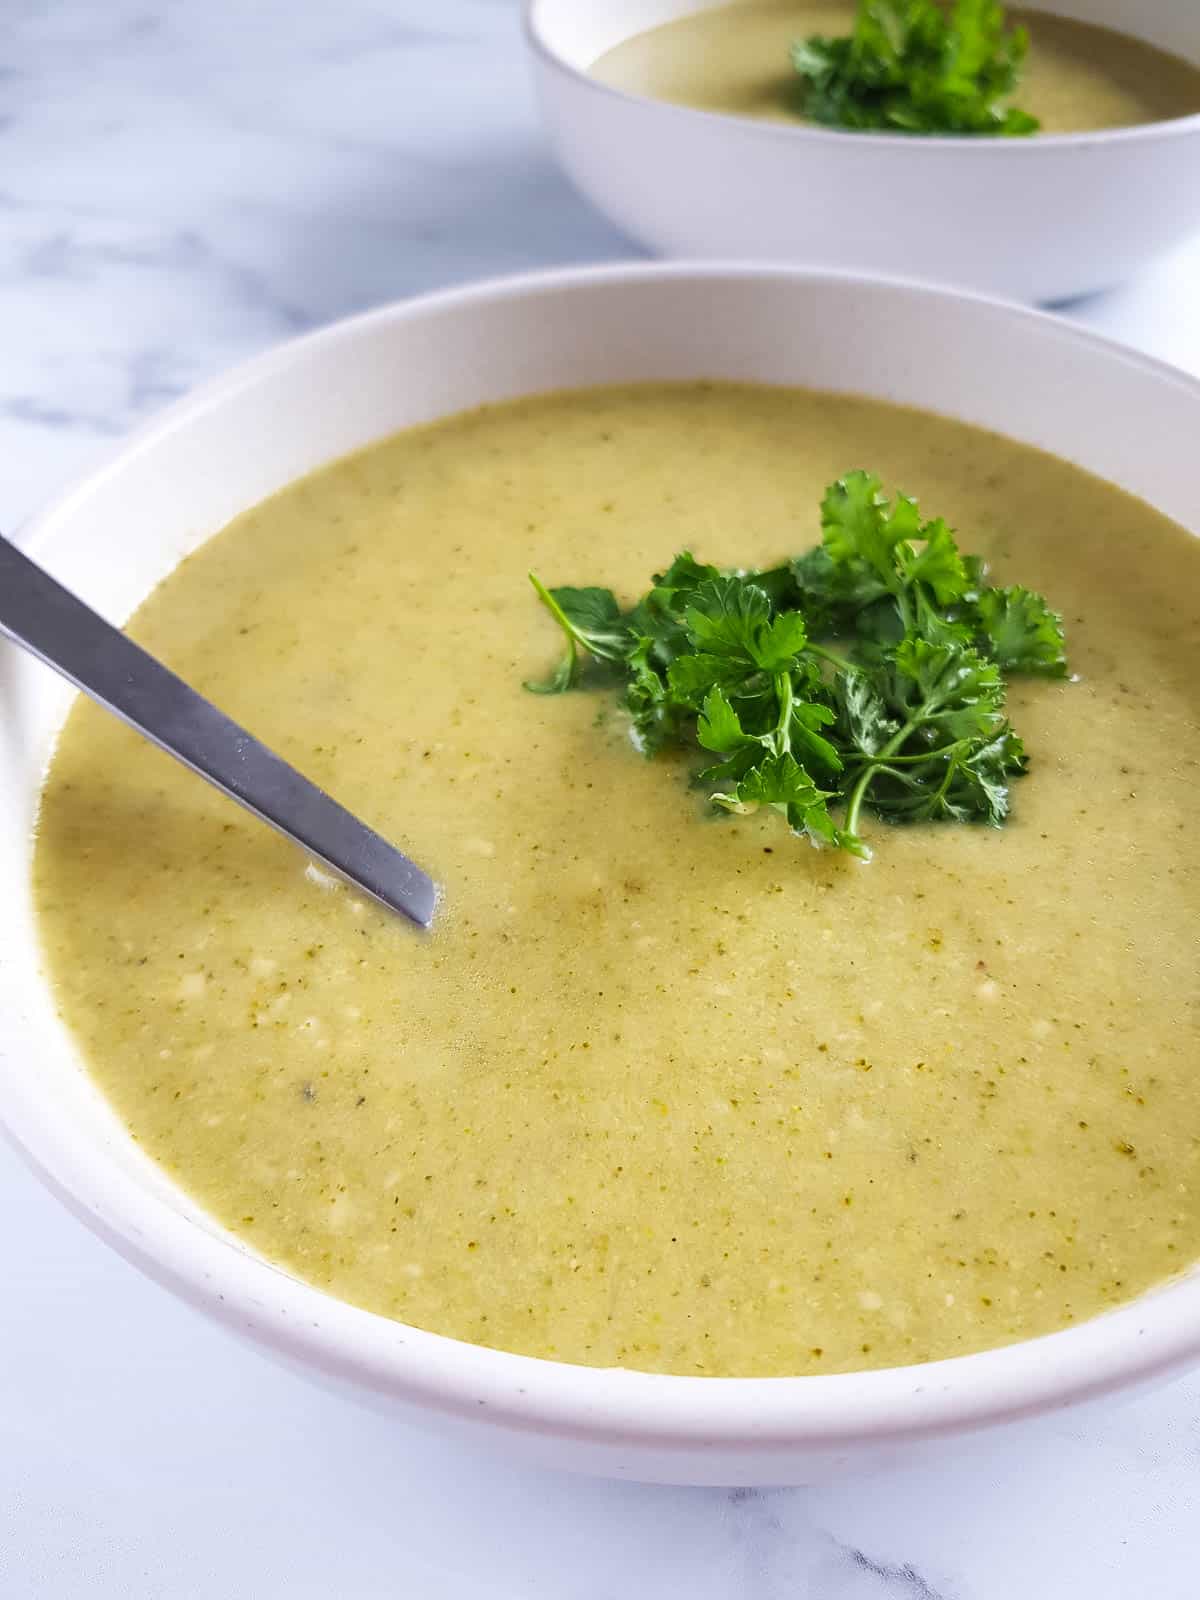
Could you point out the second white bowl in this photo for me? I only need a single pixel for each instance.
(1038, 219)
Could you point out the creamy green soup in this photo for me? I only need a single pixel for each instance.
(735, 58)
(659, 1090)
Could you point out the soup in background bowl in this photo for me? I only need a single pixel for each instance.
(735, 58)
(297, 1127)
(1070, 210)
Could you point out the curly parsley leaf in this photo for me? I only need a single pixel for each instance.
(936, 564)
(805, 736)
(654, 718)
(1021, 631)
(866, 723)
(778, 781)
(658, 616)
(863, 531)
(725, 616)
(867, 675)
(940, 681)
(589, 618)
(691, 677)
(914, 66)
(718, 727)
(781, 784)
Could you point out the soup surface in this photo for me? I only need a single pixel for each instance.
(735, 58)
(660, 1090)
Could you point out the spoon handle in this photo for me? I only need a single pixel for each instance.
(37, 613)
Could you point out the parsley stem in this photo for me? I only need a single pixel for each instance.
(863, 782)
(783, 689)
(921, 758)
(565, 623)
(842, 663)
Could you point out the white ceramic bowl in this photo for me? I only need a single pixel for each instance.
(1039, 219)
(213, 455)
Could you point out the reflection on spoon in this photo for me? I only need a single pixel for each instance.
(37, 613)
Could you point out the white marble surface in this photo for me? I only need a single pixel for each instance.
(183, 182)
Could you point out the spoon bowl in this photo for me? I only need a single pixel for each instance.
(56, 627)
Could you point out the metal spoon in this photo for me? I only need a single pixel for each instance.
(37, 613)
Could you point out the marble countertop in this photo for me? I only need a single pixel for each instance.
(182, 183)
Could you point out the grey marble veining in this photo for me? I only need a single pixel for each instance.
(182, 183)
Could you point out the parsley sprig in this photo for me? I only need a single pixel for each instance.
(914, 66)
(866, 675)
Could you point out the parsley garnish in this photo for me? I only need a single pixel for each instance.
(915, 67)
(866, 675)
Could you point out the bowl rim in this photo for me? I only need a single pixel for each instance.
(216, 1272)
(1136, 133)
